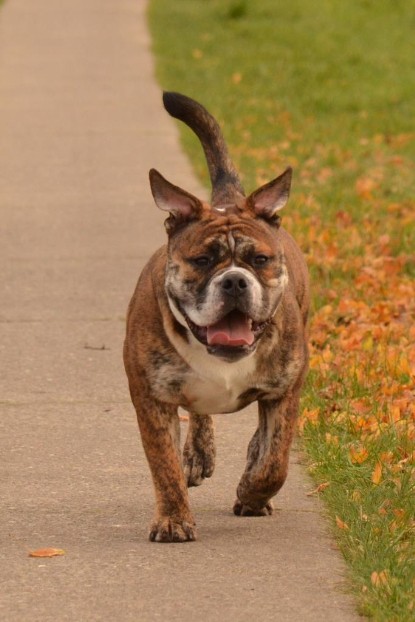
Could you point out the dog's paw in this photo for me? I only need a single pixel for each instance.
(167, 530)
(241, 509)
(197, 464)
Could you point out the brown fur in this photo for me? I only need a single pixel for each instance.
(158, 348)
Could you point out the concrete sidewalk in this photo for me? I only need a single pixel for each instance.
(81, 122)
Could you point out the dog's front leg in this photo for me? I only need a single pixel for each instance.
(267, 460)
(199, 450)
(159, 427)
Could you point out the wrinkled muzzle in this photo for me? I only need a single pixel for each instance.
(230, 313)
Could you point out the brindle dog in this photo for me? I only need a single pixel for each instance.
(217, 321)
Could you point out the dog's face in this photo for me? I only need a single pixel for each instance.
(224, 279)
(226, 270)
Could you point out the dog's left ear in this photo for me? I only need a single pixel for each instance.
(270, 198)
(181, 204)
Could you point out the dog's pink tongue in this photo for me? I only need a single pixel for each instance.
(232, 330)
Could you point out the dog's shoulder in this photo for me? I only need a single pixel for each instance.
(144, 321)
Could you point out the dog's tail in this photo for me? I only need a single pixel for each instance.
(226, 185)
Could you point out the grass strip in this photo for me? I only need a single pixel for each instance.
(329, 91)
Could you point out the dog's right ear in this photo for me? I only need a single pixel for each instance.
(182, 206)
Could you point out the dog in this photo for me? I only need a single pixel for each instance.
(218, 320)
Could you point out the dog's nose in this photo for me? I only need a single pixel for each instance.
(234, 284)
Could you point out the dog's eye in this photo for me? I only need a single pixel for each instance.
(203, 261)
(260, 260)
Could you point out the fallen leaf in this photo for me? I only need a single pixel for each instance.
(46, 553)
(358, 456)
(386, 456)
(319, 488)
(341, 524)
(360, 406)
(365, 187)
(236, 77)
(379, 578)
(377, 473)
(311, 415)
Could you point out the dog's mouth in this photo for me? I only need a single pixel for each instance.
(234, 330)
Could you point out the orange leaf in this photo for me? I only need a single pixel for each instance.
(360, 406)
(236, 77)
(386, 456)
(46, 553)
(319, 488)
(377, 473)
(357, 456)
(311, 415)
(365, 187)
(340, 524)
(379, 578)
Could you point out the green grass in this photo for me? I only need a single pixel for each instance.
(378, 532)
(304, 83)
(329, 89)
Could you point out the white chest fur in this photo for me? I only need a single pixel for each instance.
(214, 386)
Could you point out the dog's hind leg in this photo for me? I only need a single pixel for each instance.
(199, 450)
(268, 453)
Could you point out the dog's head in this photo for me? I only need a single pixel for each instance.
(226, 269)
